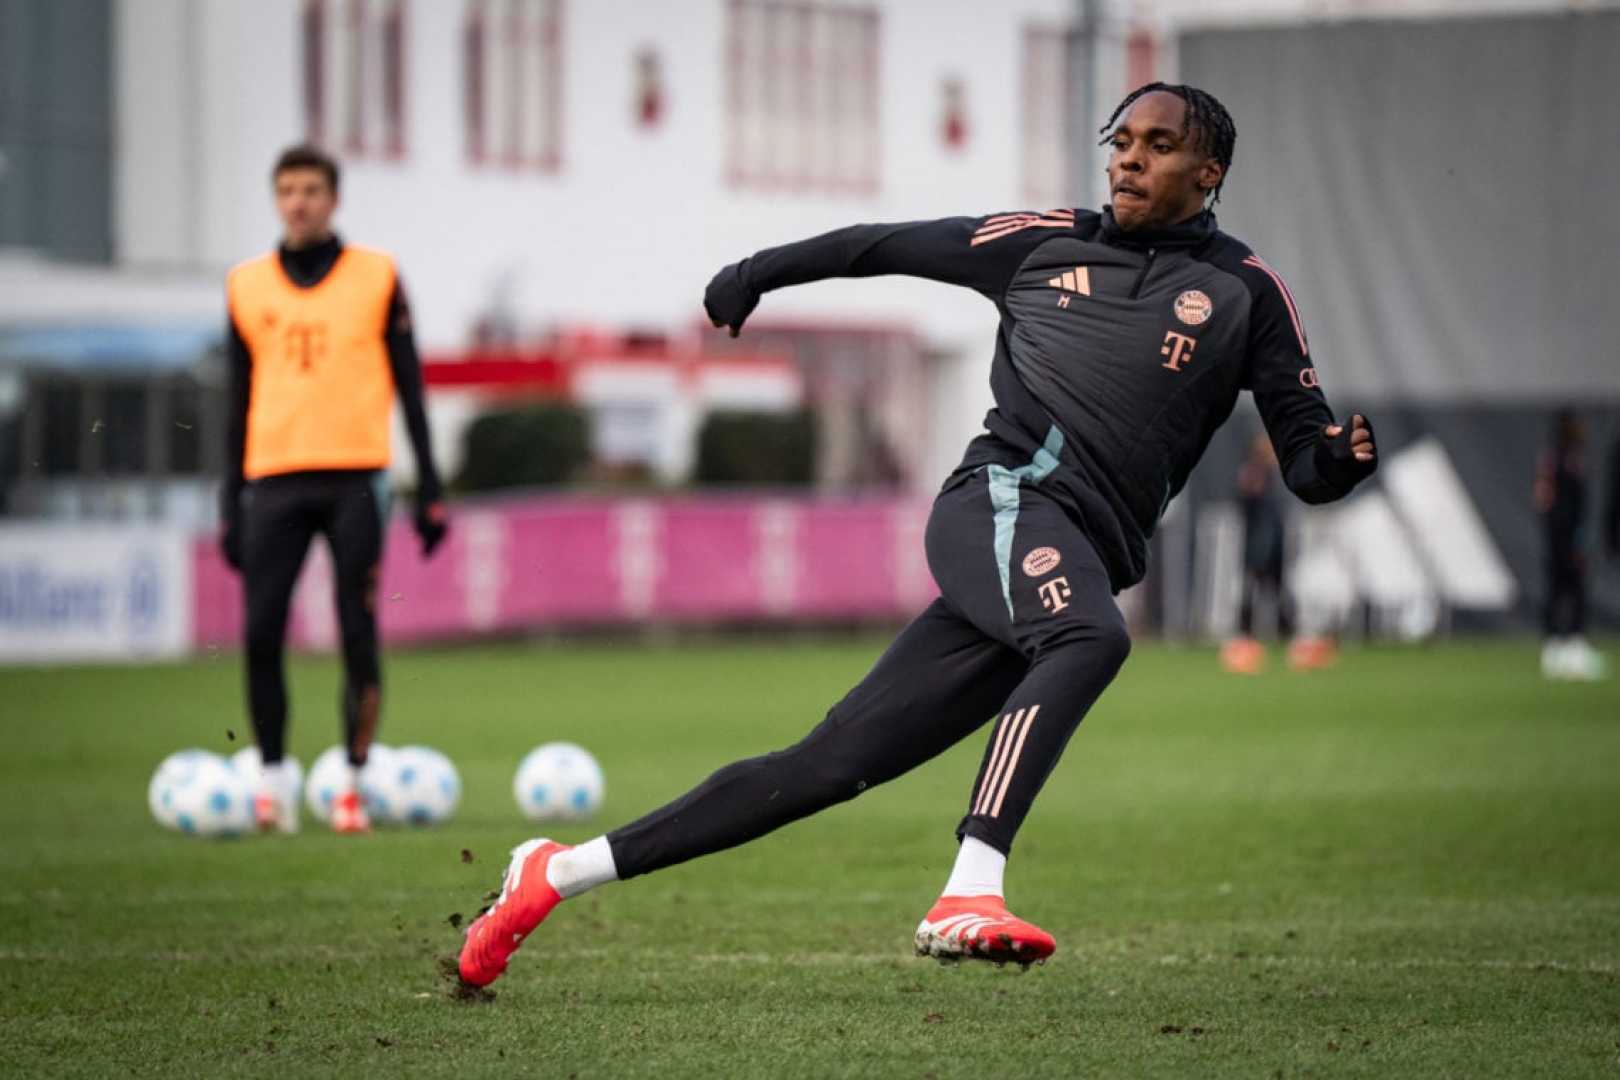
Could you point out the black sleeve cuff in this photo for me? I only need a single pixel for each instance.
(1342, 474)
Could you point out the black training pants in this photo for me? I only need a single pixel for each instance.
(280, 516)
(1026, 630)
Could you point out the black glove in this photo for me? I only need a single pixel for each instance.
(432, 523)
(1336, 459)
(728, 299)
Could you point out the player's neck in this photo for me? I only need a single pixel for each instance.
(308, 243)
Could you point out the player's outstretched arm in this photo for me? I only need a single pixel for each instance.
(1346, 454)
(1324, 462)
(431, 519)
(1320, 458)
(239, 383)
(979, 253)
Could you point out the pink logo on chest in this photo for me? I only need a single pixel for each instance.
(1194, 308)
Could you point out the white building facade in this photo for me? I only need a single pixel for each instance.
(544, 163)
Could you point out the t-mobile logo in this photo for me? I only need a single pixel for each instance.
(1178, 347)
(1055, 594)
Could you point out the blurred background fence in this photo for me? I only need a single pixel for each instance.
(559, 180)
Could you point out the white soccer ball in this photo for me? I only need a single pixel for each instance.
(558, 782)
(329, 775)
(246, 761)
(173, 772)
(197, 792)
(424, 788)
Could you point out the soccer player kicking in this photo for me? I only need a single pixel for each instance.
(319, 344)
(1125, 339)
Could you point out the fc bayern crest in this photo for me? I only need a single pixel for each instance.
(1193, 307)
(1042, 560)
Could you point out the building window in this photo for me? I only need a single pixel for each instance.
(313, 32)
(802, 94)
(62, 441)
(354, 75)
(393, 77)
(511, 52)
(1044, 115)
(474, 74)
(1141, 58)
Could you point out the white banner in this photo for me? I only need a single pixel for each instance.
(90, 593)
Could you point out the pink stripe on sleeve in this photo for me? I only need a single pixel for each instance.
(1288, 299)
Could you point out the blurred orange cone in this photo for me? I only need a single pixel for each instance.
(1312, 653)
(1243, 656)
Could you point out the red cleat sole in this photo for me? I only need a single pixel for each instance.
(981, 928)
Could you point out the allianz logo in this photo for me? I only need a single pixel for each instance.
(35, 596)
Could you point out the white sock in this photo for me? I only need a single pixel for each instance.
(275, 778)
(978, 870)
(580, 868)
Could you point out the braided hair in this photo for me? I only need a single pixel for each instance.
(1206, 122)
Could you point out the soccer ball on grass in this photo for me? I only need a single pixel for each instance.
(558, 781)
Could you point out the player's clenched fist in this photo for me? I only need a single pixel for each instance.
(1345, 453)
(728, 299)
(432, 523)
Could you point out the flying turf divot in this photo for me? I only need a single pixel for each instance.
(458, 989)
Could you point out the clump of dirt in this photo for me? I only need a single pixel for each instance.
(459, 990)
(454, 920)
(466, 855)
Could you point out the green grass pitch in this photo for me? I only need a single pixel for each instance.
(1406, 866)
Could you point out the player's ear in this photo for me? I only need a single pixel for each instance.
(1210, 174)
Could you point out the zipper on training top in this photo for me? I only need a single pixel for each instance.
(1137, 288)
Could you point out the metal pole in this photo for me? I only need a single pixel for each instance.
(1082, 79)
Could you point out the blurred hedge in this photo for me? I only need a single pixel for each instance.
(535, 445)
(740, 448)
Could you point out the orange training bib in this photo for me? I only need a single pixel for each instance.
(322, 391)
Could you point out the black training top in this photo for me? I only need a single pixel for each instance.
(1118, 355)
(306, 268)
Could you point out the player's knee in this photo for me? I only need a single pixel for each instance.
(1114, 643)
(826, 770)
(1105, 645)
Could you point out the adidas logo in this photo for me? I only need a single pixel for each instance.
(994, 228)
(1077, 280)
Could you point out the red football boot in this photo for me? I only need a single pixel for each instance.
(275, 812)
(981, 928)
(526, 899)
(349, 814)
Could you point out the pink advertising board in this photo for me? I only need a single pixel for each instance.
(536, 563)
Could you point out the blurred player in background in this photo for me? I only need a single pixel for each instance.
(1560, 498)
(320, 344)
(1126, 337)
(1264, 544)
